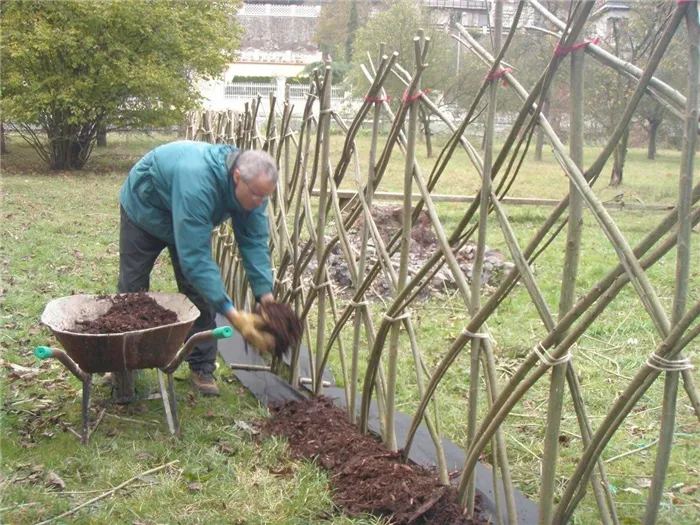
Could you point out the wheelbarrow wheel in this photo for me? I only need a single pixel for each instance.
(123, 390)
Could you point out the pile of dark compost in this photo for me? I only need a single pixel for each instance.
(129, 312)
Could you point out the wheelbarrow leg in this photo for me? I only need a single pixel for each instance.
(87, 388)
(173, 404)
(166, 403)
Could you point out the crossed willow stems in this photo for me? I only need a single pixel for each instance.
(298, 238)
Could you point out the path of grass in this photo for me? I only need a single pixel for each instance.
(59, 236)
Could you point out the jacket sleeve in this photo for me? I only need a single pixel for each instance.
(252, 235)
(193, 227)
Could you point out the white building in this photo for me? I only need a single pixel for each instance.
(606, 12)
(277, 45)
(477, 14)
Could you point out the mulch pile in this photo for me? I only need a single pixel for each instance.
(129, 312)
(366, 477)
(388, 218)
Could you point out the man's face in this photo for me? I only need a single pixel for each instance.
(250, 194)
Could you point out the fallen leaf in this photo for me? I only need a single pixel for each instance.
(194, 487)
(21, 370)
(191, 399)
(143, 456)
(210, 414)
(225, 448)
(282, 471)
(645, 483)
(245, 427)
(54, 481)
(690, 489)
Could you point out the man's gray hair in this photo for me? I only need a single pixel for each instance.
(253, 163)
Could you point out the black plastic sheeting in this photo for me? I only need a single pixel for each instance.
(268, 387)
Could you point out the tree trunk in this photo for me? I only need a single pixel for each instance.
(352, 29)
(651, 150)
(619, 159)
(3, 145)
(102, 136)
(539, 143)
(70, 146)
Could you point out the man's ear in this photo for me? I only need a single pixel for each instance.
(236, 175)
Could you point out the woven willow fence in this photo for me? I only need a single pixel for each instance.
(305, 229)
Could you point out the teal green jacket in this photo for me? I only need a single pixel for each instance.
(178, 193)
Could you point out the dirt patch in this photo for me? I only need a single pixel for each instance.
(365, 476)
(388, 219)
(129, 312)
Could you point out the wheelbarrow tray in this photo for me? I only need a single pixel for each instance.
(136, 350)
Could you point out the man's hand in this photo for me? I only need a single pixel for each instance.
(268, 298)
(248, 325)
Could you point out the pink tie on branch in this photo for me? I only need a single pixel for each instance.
(377, 100)
(498, 73)
(563, 50)
(410, 100)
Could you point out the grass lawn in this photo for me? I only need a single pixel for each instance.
(60, 236)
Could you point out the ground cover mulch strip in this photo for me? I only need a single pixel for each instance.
(366, 477)
(129, 312)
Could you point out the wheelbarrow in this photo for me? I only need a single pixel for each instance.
(121, 354)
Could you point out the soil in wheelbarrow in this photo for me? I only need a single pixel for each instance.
(129, 312)
(366, 477)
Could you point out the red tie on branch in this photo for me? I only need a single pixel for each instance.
(377, 100)
(498, 73)
(410, 100)
(681, 2)
(563, 50)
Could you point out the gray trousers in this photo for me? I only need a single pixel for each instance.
(138, 251)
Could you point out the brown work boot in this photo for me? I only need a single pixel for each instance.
(204, 382)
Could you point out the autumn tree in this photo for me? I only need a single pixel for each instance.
(452, 83)
(632, 39)
(671, 70)
(70, 68)
(337, 27)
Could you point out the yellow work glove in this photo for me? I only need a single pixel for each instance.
(249, 327)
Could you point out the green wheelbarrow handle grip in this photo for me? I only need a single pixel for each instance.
(43, 352)
(223, 332)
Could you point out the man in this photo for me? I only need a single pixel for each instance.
(173, 198)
